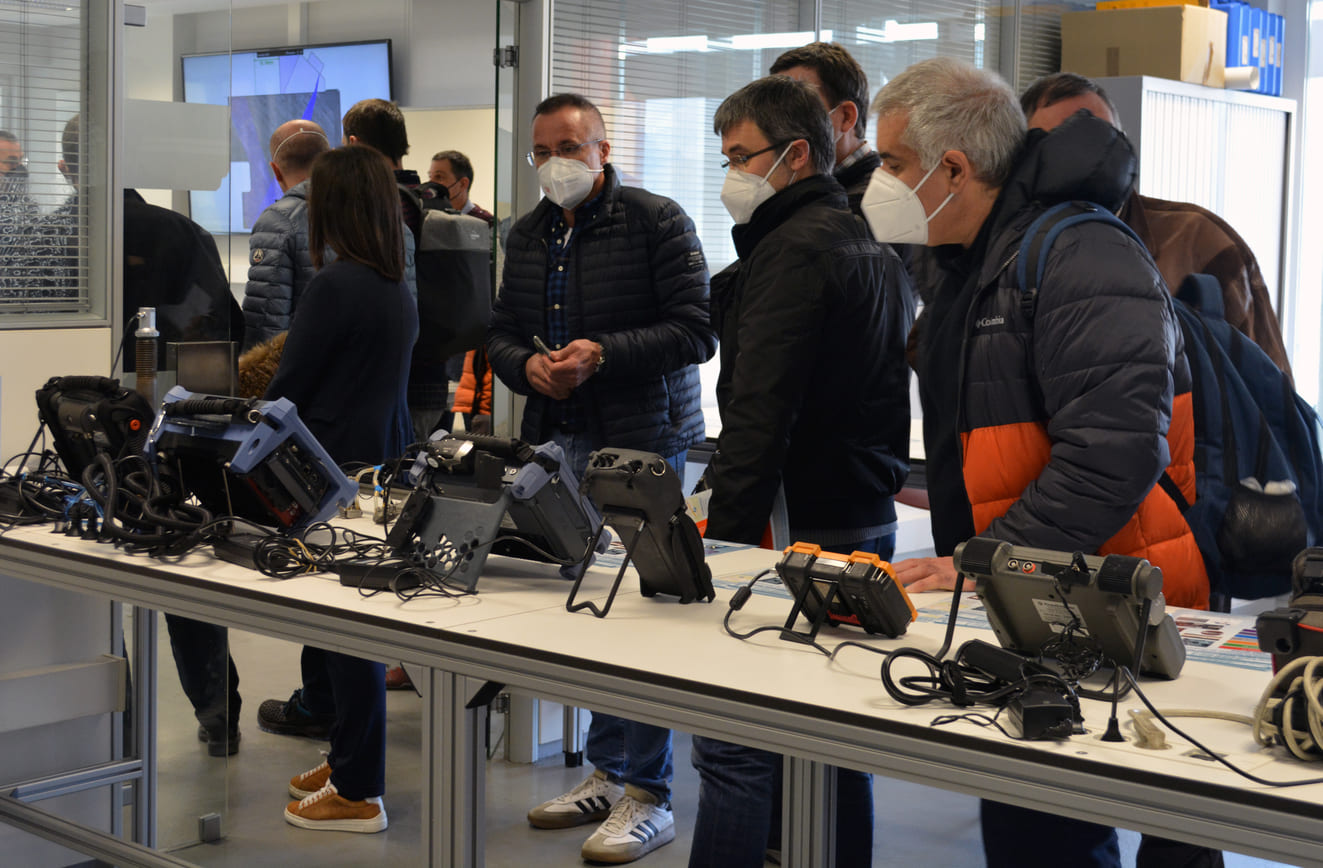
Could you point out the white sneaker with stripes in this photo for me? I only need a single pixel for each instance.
(589, 802)
(637, 826)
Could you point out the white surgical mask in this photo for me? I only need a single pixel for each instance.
(894, 212)
(743, 192)
(566, 182)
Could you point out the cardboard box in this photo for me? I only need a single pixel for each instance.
(1144, 4)
(1186, 43)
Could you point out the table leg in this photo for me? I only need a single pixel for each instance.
(572, 741)
(145, 624)
(808, 814)
(455, 765)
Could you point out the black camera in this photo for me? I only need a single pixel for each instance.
(1296, 631)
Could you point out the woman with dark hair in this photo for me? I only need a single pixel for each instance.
(346, 367)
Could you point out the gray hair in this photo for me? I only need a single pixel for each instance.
(953, 106)
(783, 109)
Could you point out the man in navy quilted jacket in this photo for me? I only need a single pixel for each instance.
(279, 266)
(601, 321)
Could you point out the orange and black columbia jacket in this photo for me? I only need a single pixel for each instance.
(1069, 415)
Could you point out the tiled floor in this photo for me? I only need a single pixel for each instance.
(915, 826)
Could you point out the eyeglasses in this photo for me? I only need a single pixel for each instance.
(538, 156)
(742, 160)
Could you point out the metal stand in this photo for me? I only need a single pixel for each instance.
(788, 632)
(622, 524)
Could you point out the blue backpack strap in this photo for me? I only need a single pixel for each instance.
(1042, 234)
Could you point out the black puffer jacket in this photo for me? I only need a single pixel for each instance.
(1065, 419)
(279, 266)
(814, 389)
(639, 287)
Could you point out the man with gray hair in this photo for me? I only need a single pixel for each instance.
(814, 399)
(1046, 423)
(279, 265)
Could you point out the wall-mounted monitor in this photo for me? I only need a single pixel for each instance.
(264, 88)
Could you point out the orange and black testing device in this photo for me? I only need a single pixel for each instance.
(858, 589)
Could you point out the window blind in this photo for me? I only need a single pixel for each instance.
(43, 220)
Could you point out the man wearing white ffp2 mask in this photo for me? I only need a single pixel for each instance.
(601, 322)
(814, 400)
(894, 211)
(744, 190)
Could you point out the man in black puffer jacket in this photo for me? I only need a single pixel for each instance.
(601, 321)
(628, 325)
(279, 265)
(814, 396)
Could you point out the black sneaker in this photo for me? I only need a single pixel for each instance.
(289, 717)
(220, 742)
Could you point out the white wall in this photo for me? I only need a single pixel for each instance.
(30, 358)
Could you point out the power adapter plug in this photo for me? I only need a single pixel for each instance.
(1041, 713)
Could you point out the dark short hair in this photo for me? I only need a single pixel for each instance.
(784, 109)
(558, 101)
(354, 209)
(69, 140)
(1052, 89)
(460, 166)
(7, 136)
(841, 75)
(378, 124)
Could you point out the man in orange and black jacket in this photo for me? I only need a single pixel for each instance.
(1047, 427)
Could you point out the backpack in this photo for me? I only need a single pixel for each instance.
(1258, 471)
(452, 260)
(88, 415)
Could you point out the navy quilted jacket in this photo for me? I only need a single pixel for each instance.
(639, 287)
(279, 266)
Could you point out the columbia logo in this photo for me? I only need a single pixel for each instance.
(988, 321)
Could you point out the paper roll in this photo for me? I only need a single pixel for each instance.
(1242, 78)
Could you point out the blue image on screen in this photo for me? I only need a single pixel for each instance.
(263, 90)
(252, 119)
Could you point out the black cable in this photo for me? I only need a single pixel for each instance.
(1134, 684)
(978, 719)
(123, 341)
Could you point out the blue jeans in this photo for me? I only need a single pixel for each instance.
(624, 750)
(632, 753)
(739, 794)
(1015, 837)
(739, 809)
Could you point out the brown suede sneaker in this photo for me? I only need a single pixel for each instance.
(326, 810)
(304, 785)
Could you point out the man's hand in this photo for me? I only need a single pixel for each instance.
(926, 574)
(574, 363)
(538, 370)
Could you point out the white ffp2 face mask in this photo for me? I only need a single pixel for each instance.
(566, 182)
(743, 192)
(893, 210)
